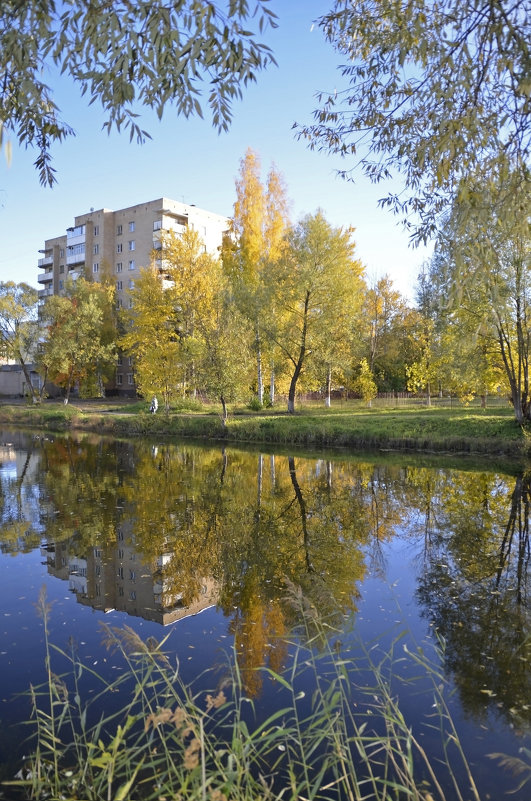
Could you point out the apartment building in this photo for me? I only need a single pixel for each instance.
(120, 243)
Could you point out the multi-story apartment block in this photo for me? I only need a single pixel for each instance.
(120, 243)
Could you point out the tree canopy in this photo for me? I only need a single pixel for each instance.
(125, 54)
(19, 330)
(435, 92)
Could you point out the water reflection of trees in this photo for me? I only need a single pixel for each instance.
(475, 588)
(240, 524)
(250, 525)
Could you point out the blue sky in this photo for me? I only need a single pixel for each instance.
(187, 160)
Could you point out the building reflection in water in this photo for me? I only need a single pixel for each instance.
(115, 578)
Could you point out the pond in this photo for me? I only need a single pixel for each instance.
(399, 556)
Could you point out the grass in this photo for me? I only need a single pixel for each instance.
(168, 742)
(351, 425)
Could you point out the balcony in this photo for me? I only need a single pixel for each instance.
(75, 258)
(43, 278)
(45, 293)
(45, 261)
(169, 225)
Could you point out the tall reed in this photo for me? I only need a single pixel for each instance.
(344, 739)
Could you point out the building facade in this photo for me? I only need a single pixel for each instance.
(121, 243)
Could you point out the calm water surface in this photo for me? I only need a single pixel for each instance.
(199, 542)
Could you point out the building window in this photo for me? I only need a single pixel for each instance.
(61, 268)
(131, 226)
(131, 283)
(61, 284)
(132, 595)
(96, 230)
(130, 303)
(120, 591)
(132, 575)
(119, 361)
(130, 379)
(132, 264)
(119, 380)
(119, 285)
(118, 304)
(157, 225)
(131, 244)
(96, 267)
(119, 267)
(119, 247)
(61, 253)
(96, 249)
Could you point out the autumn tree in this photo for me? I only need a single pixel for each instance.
(125, 55)
(433, 92)
(19, 328)
(151, 336)
(317, 278)
(191, 280)
(258, 226)
(73, 350)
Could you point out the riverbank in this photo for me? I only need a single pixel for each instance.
(442, 430)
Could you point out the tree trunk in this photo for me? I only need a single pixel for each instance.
(68, 387)
(259, 375)
(328, 386)
(27, 376)
(272, 387)
(300, 361)
(224, 407)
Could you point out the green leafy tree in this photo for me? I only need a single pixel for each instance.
(434, 92)
(126, 55)
(385, 328)
(19, 328)
(224, 368)
(422, 372)
(73, 350)
(315, 281)
(365, 383)
(486, 288)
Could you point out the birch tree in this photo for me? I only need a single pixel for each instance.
(259, 223)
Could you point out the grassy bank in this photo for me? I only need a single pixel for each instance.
(454, 430)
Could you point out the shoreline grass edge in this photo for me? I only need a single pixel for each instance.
(464, 430)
